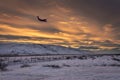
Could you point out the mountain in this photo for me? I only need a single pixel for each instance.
(112, 51)
(26, 48)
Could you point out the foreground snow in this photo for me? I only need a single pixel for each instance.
(102, 68)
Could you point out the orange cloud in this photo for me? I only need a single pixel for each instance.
(64, 27)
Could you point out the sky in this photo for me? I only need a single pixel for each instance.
(86, 24)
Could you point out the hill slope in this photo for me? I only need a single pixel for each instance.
(23, 48)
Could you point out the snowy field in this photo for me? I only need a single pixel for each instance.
(97, 68)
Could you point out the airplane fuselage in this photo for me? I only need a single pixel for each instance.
(42, 20)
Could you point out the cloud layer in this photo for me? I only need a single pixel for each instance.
(91, 24)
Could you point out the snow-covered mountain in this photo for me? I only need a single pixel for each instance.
(24, 48)
(107, 52)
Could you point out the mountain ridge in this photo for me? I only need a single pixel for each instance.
(29, 48)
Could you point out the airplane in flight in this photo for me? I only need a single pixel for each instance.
(42, 20)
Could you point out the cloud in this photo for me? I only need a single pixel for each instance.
(86, 22)
(103, 11)
(89, 47)
(12, 38)
(107, 44)
(99, 13)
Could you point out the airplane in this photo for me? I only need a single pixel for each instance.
(42, 20)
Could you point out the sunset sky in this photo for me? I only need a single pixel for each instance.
(87, 24)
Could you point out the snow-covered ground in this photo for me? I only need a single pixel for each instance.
(24, 48)
(99, 68)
